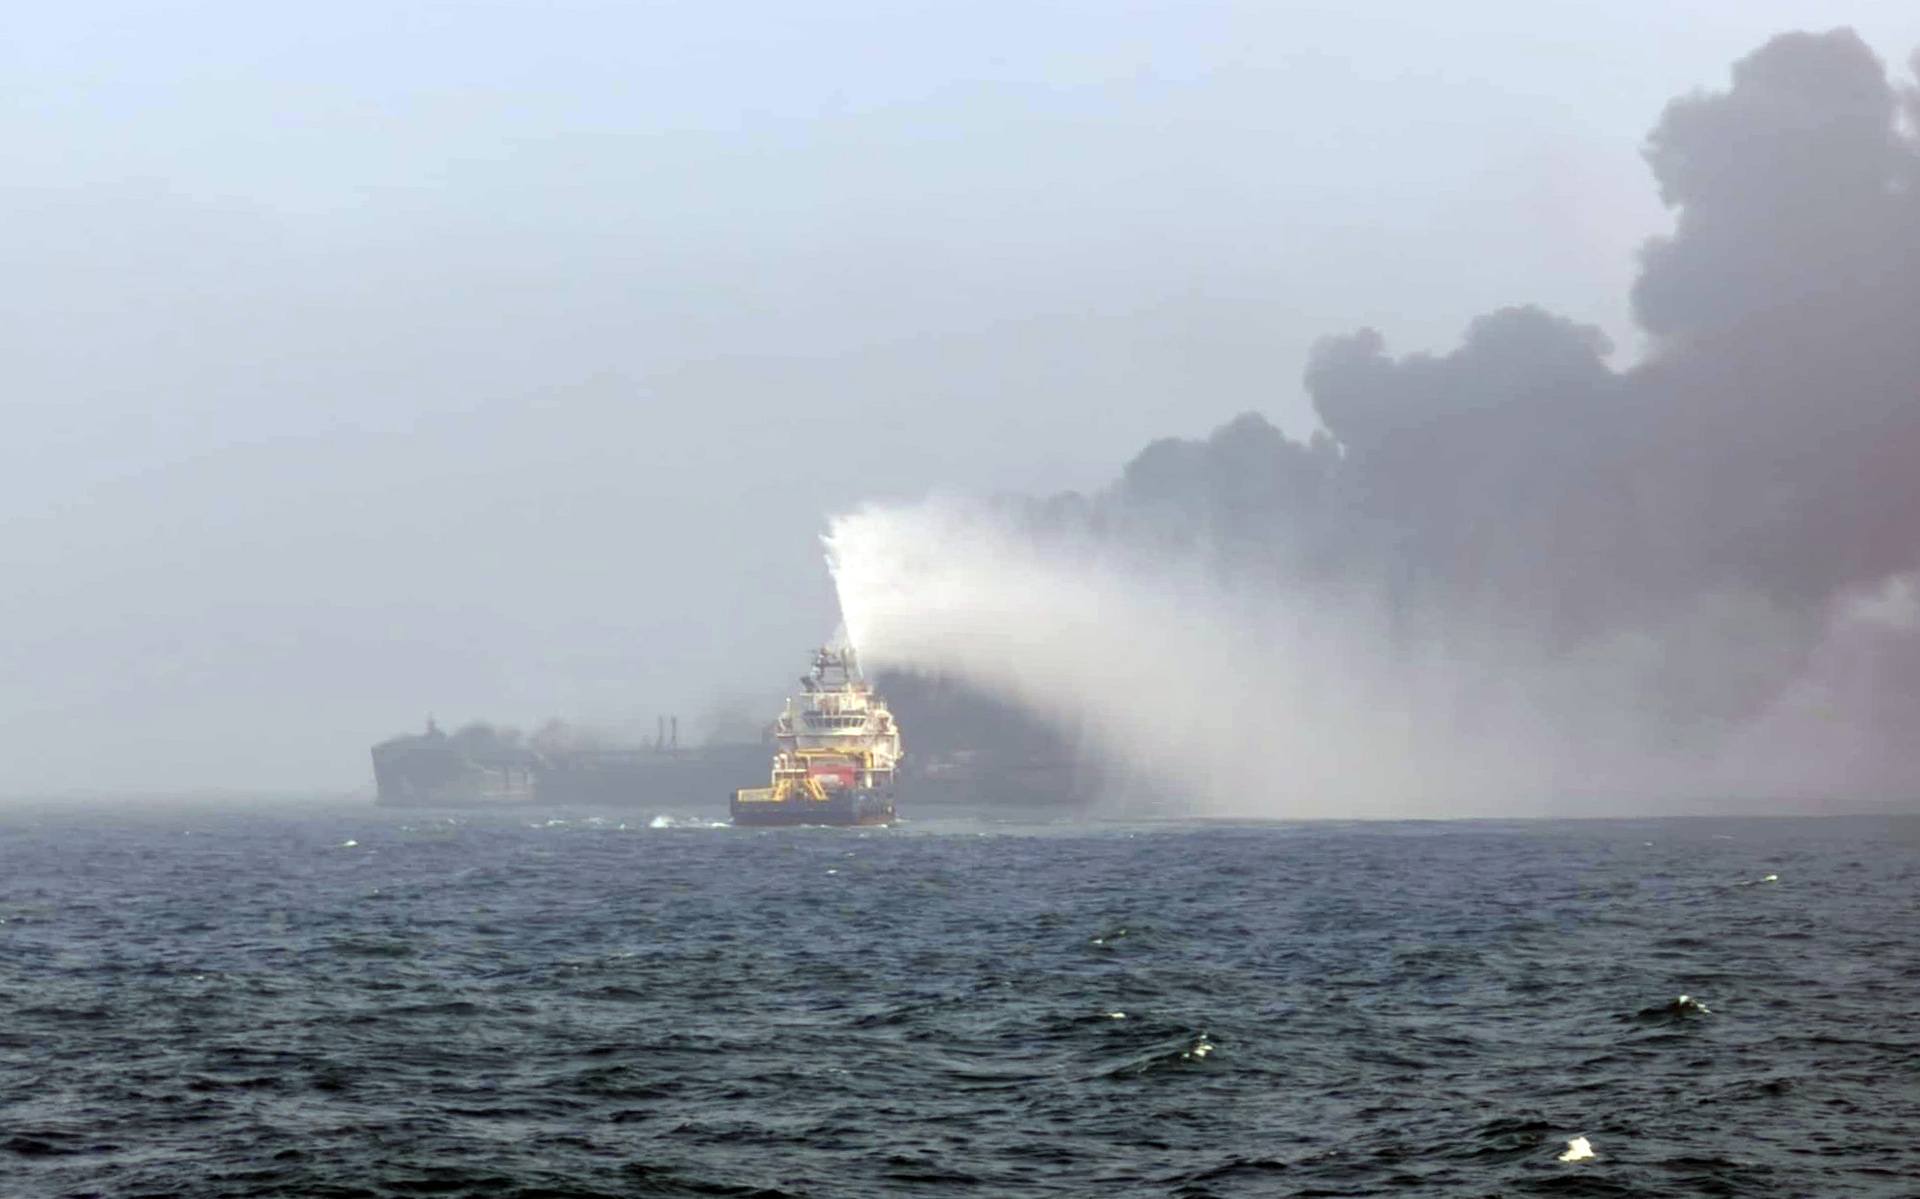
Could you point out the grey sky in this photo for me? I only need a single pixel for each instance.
(504, 359)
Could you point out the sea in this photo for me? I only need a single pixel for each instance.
(337, 1000)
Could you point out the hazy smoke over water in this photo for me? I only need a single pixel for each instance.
(1510, 574)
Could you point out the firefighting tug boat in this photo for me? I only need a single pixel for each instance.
(836, 753)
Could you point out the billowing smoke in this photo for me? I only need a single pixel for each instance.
(1512, 574)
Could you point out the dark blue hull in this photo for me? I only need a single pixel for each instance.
(840, 808)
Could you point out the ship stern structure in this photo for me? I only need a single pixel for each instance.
(836, 754)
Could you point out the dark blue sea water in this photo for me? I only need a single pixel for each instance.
(359, 1002)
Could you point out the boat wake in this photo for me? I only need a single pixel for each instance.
(665, 821)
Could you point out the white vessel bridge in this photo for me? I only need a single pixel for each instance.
(838, 733)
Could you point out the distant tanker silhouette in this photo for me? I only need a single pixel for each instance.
(481, 766)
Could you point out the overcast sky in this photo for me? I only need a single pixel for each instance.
(505, 359)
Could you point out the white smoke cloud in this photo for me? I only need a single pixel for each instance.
(1229, 701)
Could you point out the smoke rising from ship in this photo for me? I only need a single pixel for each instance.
(1512, 572)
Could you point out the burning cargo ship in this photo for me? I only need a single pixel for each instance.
(836, 754)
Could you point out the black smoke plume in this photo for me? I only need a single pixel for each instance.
(1737, 516)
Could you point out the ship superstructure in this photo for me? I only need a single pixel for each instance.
(836, 753)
